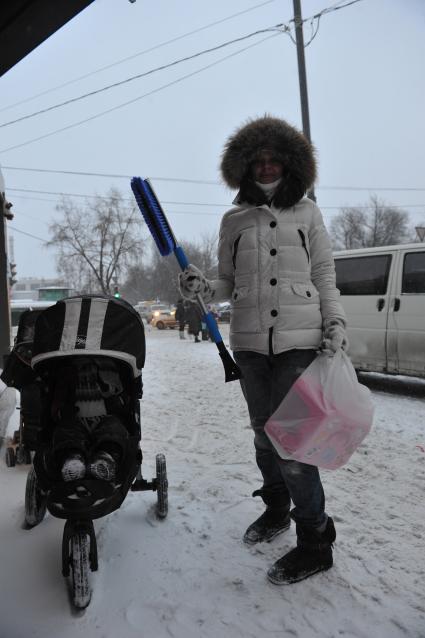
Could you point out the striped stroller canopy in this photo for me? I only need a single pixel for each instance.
(90, 325)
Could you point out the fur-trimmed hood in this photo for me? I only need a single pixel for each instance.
(289, 145)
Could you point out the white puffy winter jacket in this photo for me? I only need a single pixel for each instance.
(277, 268)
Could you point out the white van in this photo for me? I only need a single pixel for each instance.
(383, 294)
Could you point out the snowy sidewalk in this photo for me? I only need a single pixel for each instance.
(190, 576)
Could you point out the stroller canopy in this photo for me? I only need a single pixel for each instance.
(90, 325)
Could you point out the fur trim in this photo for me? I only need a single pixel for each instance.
(287, 143)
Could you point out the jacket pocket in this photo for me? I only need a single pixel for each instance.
(239, 293)
(235, 250)
(304, 243)
(308, 291)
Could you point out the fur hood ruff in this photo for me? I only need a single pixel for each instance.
(289, 145)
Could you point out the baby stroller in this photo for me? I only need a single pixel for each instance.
(88, 352)
(19, 374)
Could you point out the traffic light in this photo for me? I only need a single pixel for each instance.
(12, 274)
(116, 293)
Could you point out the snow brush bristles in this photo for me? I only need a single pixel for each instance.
(153, 215)
(164, 238)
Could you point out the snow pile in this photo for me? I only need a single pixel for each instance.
(190, 575)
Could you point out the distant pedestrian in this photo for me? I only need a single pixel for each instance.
(181, 317)
(193, 316)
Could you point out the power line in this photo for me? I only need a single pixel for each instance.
(166, 202)
(105, 197)
(17, 230)
(112, 175)
(316, 18)
(135, 55)
(335, 7)
(197, 213)
(286, 29)
(279, 27)
(140, 97)
(217, 214)
(199, 181)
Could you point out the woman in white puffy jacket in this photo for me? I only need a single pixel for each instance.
(275, 263)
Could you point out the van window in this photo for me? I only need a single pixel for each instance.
(363, 275)
(413, 273)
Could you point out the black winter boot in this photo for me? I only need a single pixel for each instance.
(313, 554)
(273, 521)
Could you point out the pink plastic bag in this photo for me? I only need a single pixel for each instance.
(325, 416)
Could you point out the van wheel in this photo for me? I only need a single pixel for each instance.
(160, 325)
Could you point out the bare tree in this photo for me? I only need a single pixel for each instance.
(98, 243)
(379, 224)
(159, 278)
(348, 228)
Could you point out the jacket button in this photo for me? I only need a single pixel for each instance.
(273, 252)
(273, 224)
(274, 313)
(273, 282)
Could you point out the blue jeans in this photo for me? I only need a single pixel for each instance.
(266, 381)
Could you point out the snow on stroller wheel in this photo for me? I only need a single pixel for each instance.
(35, 500)
(161, 486)
(80, 564)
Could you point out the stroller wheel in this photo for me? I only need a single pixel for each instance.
(35, 500)
(161, 486)
(81, 590)
(10, 457)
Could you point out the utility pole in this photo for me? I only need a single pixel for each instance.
(299, 36)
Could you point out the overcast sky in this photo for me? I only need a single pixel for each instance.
(366, 94)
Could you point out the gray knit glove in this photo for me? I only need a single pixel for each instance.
(192, 282)
(334, 337)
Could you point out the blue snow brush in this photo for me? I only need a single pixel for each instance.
(164, 238)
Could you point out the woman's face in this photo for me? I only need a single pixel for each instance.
(266, 168)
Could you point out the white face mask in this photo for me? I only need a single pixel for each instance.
(269, 189)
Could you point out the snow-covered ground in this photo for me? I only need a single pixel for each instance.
(190, 575)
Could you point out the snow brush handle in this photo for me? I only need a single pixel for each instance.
(231, 370)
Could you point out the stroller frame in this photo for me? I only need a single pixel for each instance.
(79, 502)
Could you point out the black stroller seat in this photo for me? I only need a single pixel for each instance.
(92, 406)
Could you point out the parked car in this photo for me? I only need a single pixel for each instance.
(164, 318)
(383, 294)
(223, 311)
(144, 309)
(156, 310)
(147, 309)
